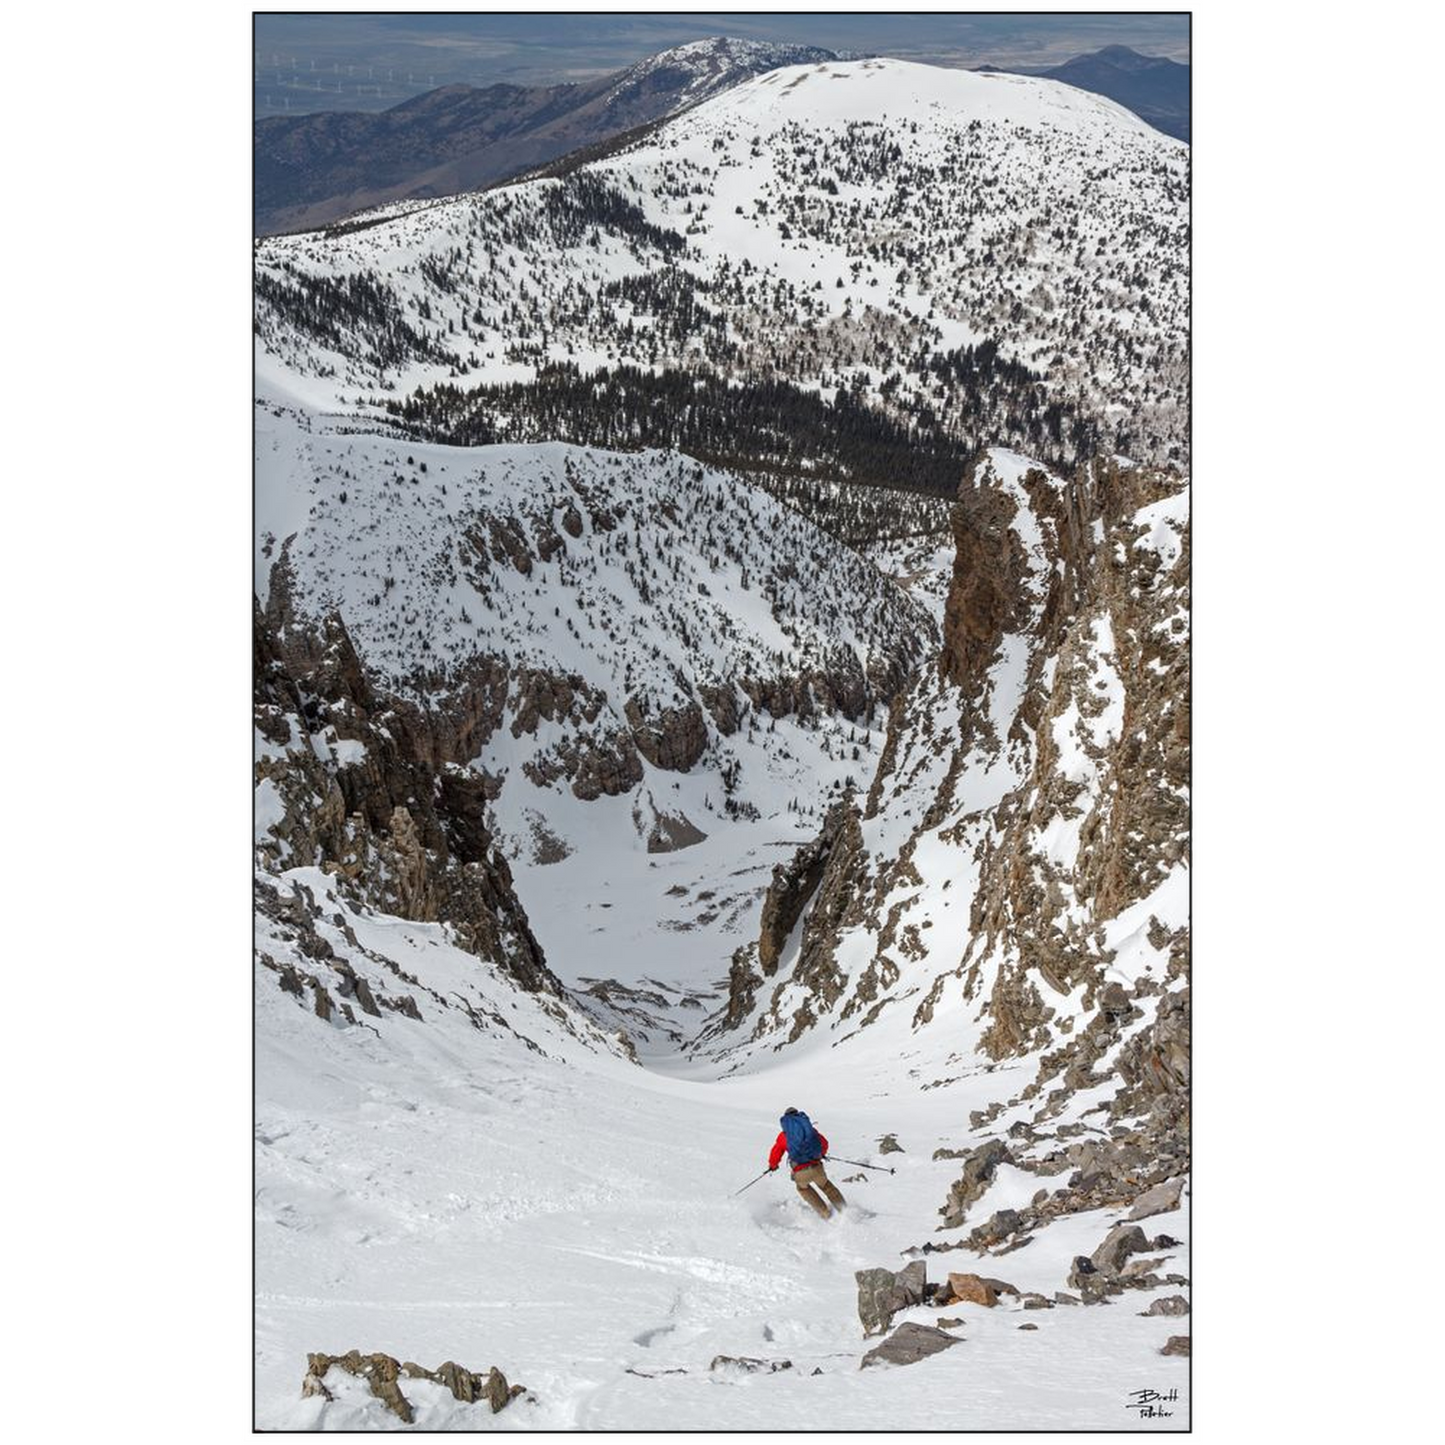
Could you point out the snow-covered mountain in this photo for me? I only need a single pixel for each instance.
(613, 794)
(700, 69)
(317, 168)
(967, 258)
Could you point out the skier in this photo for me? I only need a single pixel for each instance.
(806, 1148)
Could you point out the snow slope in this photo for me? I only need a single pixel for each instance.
(660, 680)
(438, 1193)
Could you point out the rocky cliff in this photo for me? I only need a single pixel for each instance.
(1018, 873)
(346, 782)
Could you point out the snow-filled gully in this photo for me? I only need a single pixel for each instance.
(440, 1195)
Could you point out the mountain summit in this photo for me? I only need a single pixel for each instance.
(704, 68)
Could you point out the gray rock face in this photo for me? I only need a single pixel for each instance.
(1121, 1241)
(406, 832)
(673, 740)
(996, 1228)
(792, 888)
(1158, 1200)
(883, 1292)
(908, 1344)
(977, 1173)
(1177, 1345)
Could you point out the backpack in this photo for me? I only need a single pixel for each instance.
(804, 1146)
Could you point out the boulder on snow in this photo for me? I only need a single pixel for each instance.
(1177, 1345)
(748, 1365)
(996, 1228)
(1136, 1268)
(1091, 1283)
(975, 1289)
(889, 1144)
(883, 1292)
(1121, 1241)
(1158, 1200)
(382, 1373)
(977, 1174)
(908, 1344)
(1174, 1304)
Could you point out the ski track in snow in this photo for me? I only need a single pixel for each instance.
(570, 1220)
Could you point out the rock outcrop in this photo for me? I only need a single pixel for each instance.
(1020, 864)
(344, 786)
(748, 1365)
(1049, 751)
(977, 1175)
(973, 1289)
(882, 1293)
(384, 1375)
(908, 1344)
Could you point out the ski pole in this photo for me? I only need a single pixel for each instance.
(751, 1182)
(834, 1159)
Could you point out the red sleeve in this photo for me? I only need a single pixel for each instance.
(777, 1153)
(823, 1140)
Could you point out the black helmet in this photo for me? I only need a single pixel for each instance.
(789, 1110)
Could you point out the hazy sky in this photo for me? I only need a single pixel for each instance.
(367, 62)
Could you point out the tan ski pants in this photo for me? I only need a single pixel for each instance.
(810, 1182)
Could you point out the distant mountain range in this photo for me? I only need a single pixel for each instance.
(314, 169)
(1155, 89)
(311, 169)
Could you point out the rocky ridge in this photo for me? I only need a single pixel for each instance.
(551, 622)
(1019, 870)
(355, 820)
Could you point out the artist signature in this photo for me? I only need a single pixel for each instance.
(1151, 1403)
